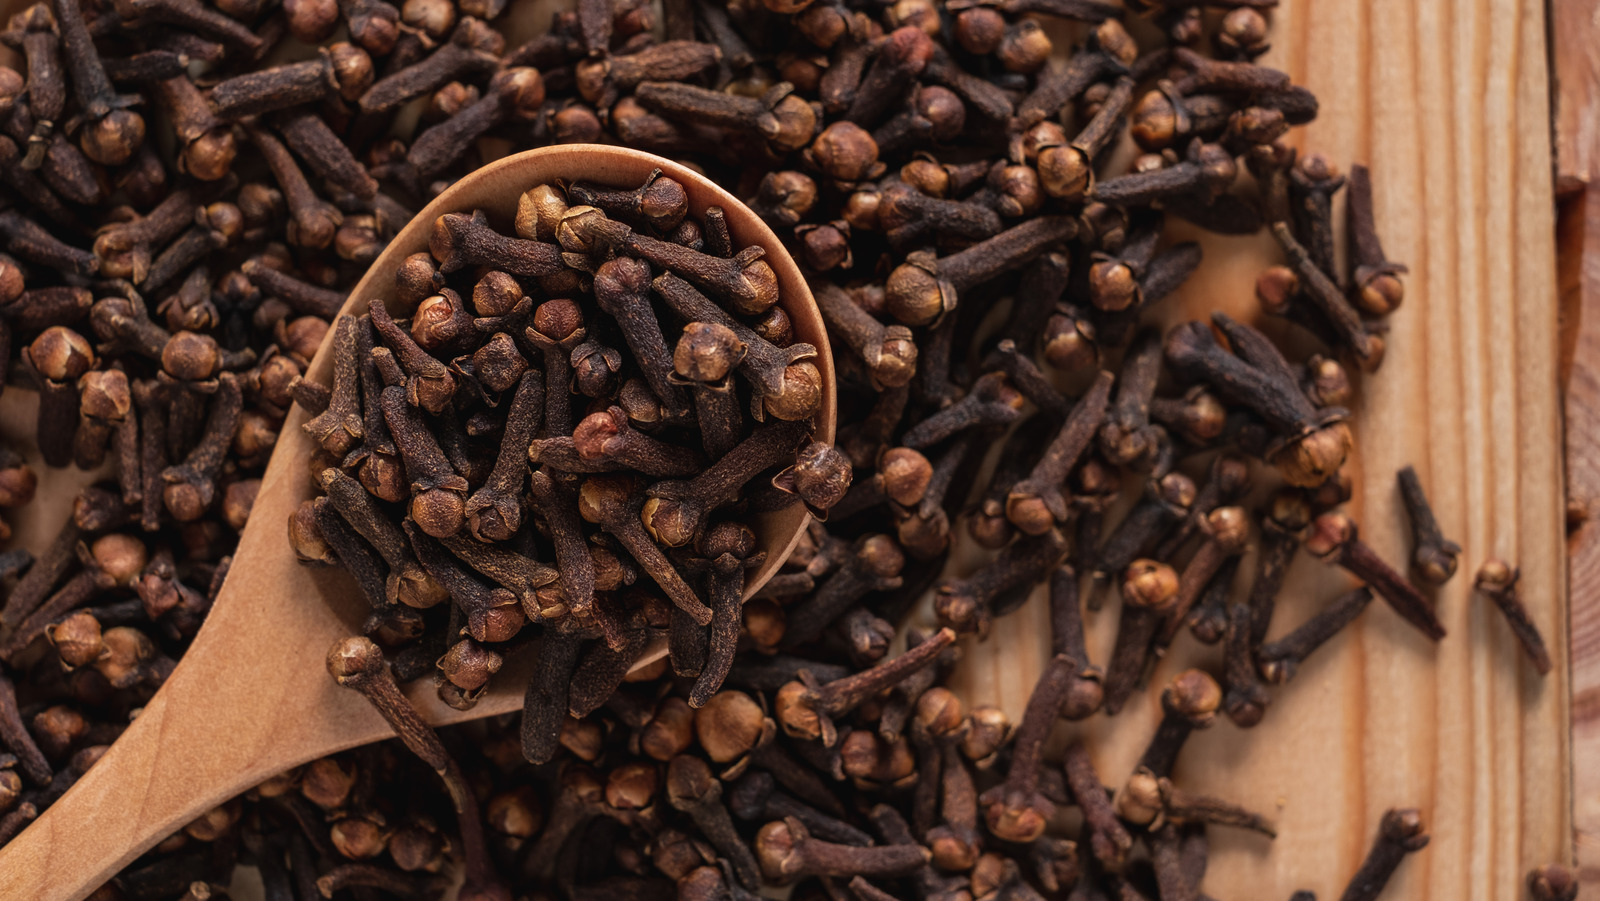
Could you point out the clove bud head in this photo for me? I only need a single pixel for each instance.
(1276, 288)
(77, 639)
(1139, 800)
(1228, 527)
(988, 729)
(821, 476)
(1495, 575)
(539, 211)
(353, 661)
(706, 352)
(939, 710)
(1193, 695)
(794, 706)
(1329, 534)
(1404, 827)
(439, 512)
(1015, 819)
(729, 725)
(1312, 459)
(915, 296)
(1149, 585)
(903, 475)
(801, 395)
(61, 354)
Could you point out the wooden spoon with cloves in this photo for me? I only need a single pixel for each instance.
(252, 697)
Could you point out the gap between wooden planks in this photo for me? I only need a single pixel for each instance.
(1448, 104)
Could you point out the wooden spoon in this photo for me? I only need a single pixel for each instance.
(252, 698)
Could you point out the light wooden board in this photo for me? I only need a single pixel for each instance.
(1448, 104)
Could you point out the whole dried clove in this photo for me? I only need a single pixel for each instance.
(1434, 556)
(358, 664)
(1244, 699)
(1498, 580)
(1400, 832)
(1319, 288)
(806, 708)
(1375, 279)
(1225, 531)
(343, 69)
(1333, 539)
(874, 564)
(1125, 437)
(969, 605)
(1149, 592)
(787, 851)
(889, 352)
(1108, 838)
(1039, 500)
(924, 288)
(1278, 660)
(1312, 444)
(613, 503)
(693, 789)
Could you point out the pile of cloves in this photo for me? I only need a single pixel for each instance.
(568, 432)
(979, 193)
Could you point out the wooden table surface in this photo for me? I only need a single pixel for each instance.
(1449, 104)
(1575, 67)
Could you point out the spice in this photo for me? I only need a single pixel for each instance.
(1499, 581)
(1333, 538)
(1400, 832)
(906, 174)
(1279, 659)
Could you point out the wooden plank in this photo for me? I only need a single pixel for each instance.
(1575, 65)
(1448, 104)
(1578, 237)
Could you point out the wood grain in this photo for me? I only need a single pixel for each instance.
(1447, 102)
(252, 697)
(1575, 63)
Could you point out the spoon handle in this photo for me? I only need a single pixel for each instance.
(250, 699)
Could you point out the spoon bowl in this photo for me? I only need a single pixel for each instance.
(252, 697)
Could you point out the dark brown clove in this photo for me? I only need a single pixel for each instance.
(1225, 530)
(1334, 539)
(1244, 699)
(806, 708)
(613, 502)
(1040, 500)
(923, 289)
(787, 851)
(1400, 832)
(694, 790)
(1319, 288)
(358, 664)
(1189, 702)
(1313, 444)
(969, 605)
(1375, 279)
(1434, 556)
(1278, 660)
(1498, 580)
(1108, 838)
(1149, 591)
